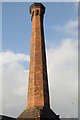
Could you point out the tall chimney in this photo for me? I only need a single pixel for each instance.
(38, 105)
(38, 93)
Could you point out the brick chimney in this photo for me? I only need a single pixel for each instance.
(38, 105)
(38, 93)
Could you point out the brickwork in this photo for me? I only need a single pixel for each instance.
(38, 94)
(38, 106)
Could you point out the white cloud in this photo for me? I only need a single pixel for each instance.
(14, 83)
(10, 57)
(71, 27)
(63, 78)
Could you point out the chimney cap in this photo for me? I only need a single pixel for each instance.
(35, 4)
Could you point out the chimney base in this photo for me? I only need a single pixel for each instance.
(38, 113)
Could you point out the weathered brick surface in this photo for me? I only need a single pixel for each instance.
(38, 106)
(38, 94)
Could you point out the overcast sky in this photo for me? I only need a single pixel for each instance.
(61, 39)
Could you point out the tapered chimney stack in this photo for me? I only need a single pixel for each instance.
(38, 105)
(38, 93)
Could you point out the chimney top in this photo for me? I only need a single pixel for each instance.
(35, 4)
